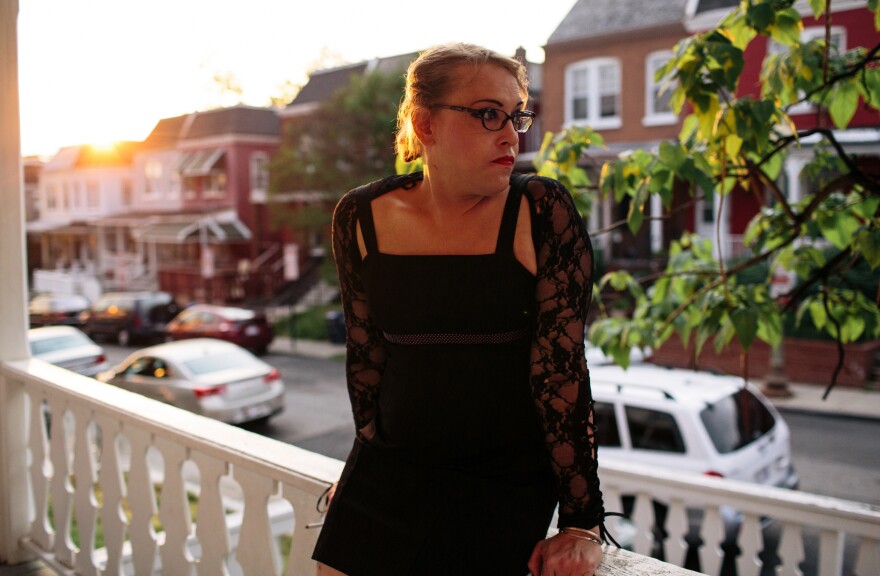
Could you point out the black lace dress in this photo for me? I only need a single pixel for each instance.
(472, 371)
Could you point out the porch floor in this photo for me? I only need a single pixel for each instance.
(32, 568)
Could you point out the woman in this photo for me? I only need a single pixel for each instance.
(465, 290)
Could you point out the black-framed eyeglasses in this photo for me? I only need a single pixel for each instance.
(494, 119)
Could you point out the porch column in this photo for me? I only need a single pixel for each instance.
(13, 283)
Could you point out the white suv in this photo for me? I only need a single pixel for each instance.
(690, 421)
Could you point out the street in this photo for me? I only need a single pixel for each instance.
(835, 456)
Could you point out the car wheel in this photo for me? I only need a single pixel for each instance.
(123, 338)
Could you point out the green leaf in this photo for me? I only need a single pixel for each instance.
(818, 314)
(872, 86)
(837, 227)
(842, 103)
(745, 321)
(818, 7)
(759, 16)
(868, 241)
(770, 329)
(787, 28)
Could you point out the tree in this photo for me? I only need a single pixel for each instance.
(346, 142)
(728, 143)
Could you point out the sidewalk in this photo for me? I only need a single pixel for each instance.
(845, 401)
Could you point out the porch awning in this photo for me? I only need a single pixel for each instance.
(191, 231)
(199, 163)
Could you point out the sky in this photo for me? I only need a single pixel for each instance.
(96, 71)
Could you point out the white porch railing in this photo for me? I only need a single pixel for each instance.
(120, 463)
(112, 462)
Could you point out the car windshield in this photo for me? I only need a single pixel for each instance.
(55, 343)
(736, 421)
(237, 314)
(222, 360)
(113, 304)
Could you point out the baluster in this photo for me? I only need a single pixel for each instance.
(142, 502)
(40, 472)
(643, 518)
(613, 503)
(791, 550)
(305, 512)
(211, 528)
(677, 528)
(85, 473)
(61, 490)
(174, 510)
(831, 552)
(113, 488)
(869, 557)
(751, 543)
(712, 533)
(256, 549)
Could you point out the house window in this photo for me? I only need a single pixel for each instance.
(51, 197)
(838, 43)
(93, 194)
(126, 192)
(259, 176)
(153, 175)
(216, 186)
(592, 93)
(658, 93)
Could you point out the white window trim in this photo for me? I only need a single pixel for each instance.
(592, 119)
(652, 118)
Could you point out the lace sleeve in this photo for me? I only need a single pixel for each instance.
(559, 377)
(365, 351)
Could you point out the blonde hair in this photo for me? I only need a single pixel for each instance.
(432, 75)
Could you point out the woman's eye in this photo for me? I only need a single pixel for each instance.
(490, 114)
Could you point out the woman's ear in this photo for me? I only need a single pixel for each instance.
(421, 122)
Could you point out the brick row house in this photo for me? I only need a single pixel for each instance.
(599, 71)
(184, 211)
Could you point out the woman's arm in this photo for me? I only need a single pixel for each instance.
(559, 377)
(365, 350)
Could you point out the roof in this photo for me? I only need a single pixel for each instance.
(588, 18)
(91, 156)
(323, 84)
(189, 230)
(234, 120)
(686, 386)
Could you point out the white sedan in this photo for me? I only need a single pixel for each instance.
(67, 347)
(206, 376)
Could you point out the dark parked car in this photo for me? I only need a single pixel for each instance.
(130, 316)
(240, 326)
(56, 309)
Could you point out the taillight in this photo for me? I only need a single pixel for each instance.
(209, 391)
(272, 376)
(713, 473)
(101, 359)
(224, 327)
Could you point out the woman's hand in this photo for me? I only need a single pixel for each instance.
(565, 555)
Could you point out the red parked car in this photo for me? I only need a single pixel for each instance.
(240, 326)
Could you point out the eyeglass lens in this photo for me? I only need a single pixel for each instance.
(494, 119)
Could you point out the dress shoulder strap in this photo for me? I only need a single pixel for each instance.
(364, 196)
(511, 214)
